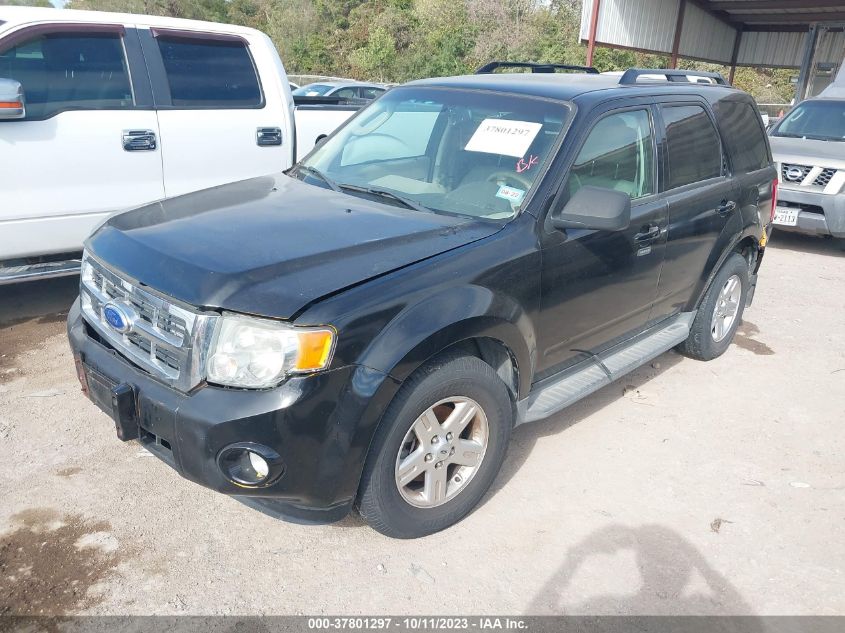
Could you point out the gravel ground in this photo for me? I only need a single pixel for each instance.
(685, 488)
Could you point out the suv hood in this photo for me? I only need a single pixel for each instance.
(271, 245)
(808, 152)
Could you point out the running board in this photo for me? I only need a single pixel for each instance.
(558, 392)
(42, 270)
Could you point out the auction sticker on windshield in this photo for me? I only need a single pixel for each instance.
(501, 136)
(511, 194)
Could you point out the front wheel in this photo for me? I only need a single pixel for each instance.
(720, 312)
(438, 448)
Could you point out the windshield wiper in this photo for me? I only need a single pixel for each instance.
(407, 202)
(316, 172)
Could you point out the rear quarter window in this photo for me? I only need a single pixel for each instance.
(744, 137)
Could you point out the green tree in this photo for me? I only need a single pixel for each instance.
(25, 3)
(377, 57)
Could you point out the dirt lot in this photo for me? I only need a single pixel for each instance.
(688, 487)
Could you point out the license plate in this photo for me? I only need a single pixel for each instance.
(99, 390)
(116, 400)
(787, 216)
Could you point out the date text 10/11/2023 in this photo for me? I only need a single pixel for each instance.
(416, 623)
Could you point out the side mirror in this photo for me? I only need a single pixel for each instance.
(594, 208)
(11, 100)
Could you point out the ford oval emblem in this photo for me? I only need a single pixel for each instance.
(794, 174)
(118, 317)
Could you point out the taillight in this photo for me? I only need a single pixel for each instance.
(774, 200)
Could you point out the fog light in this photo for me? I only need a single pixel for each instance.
(248, 464)
(259, 465)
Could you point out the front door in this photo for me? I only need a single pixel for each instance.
(88, 145)
(600, 285)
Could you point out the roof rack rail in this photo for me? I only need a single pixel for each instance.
(487, 69)
(631, 75)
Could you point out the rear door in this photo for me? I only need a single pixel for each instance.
(88, 145)
(703, 203)
(220, 120)
(749, 157)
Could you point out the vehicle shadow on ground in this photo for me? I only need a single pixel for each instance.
(47, 299)
(526, 436)
(783, 240)
(672, 577)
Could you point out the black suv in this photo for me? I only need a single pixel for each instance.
(465, 255)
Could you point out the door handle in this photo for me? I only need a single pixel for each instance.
(139, 140)
(725, 207)
(268, 136)
(651, 233)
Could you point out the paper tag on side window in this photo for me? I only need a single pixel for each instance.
(501, 136)
(511, 194)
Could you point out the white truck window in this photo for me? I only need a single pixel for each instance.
(69, 71)
(209, 73)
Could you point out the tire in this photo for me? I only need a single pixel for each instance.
(707, 340)
(451, 384)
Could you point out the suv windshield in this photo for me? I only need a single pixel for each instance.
(823, 120)
(445, 150)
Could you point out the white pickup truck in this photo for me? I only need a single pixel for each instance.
(103, 112)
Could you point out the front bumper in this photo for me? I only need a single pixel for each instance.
(822, 214)
(320, 425)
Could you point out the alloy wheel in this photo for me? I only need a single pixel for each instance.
(727, 308)
(441, 452)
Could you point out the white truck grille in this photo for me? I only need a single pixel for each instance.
(810, 176)
(164, 339)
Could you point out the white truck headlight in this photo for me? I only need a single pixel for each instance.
(257, 353)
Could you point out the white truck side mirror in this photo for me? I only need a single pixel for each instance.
(11, 100)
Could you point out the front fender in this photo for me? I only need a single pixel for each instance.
(423, 329)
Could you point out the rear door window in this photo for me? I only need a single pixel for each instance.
(371, 93)
(618, 154)
(346, 93)
(694, 148)
(744, 136)
(69, 71)
(209, 73)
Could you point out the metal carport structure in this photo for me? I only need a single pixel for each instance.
(801, 34)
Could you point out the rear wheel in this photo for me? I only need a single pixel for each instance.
(438, 448)
(720, 312)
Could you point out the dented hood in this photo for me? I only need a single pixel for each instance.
(272, 245)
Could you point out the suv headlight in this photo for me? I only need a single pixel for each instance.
(256, 353)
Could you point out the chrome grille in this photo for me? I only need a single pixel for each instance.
(787, 170)
(165, 339)
(807, 175)
(824, 178)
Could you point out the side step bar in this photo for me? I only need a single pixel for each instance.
(42, 270)
(558, 392)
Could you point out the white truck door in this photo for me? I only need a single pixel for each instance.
(223, 112)
(88, 145)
